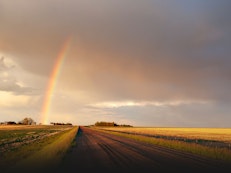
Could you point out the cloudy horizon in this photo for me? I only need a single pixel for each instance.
(145, 63)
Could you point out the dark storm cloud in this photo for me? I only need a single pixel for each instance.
(140, 50)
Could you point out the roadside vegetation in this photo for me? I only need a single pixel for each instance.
(209, 142)
(34, 146)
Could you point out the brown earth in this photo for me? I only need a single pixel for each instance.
(102, 152)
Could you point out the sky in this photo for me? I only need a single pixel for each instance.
(155, 63)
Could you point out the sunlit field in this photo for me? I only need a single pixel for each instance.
(22, 145)
(209, 142)
(213, 134)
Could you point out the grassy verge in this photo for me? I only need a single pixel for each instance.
(221, 154)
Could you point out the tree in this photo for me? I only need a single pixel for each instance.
(27, 121)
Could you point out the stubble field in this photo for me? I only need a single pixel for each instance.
(22, 145)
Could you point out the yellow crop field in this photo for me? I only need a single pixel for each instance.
(217, 134)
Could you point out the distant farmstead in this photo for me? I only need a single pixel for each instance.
(25, 121)
(102, 123)
(110, 124)
(8, 123)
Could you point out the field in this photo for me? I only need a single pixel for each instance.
(43, 146)
(22, 145)
(209, 142)
(207, 136)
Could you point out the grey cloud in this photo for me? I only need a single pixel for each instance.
(153, 50)
(191, 115)
(9, 83)
(124, 50)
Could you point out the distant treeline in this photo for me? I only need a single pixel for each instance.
(111, 124)
(29, 121)
(25, 121)
(61, 123)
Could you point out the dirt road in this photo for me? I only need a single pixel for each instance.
(102, 152)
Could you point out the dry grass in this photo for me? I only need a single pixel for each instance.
(21, 127)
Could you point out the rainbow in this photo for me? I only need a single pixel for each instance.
(53, 80)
